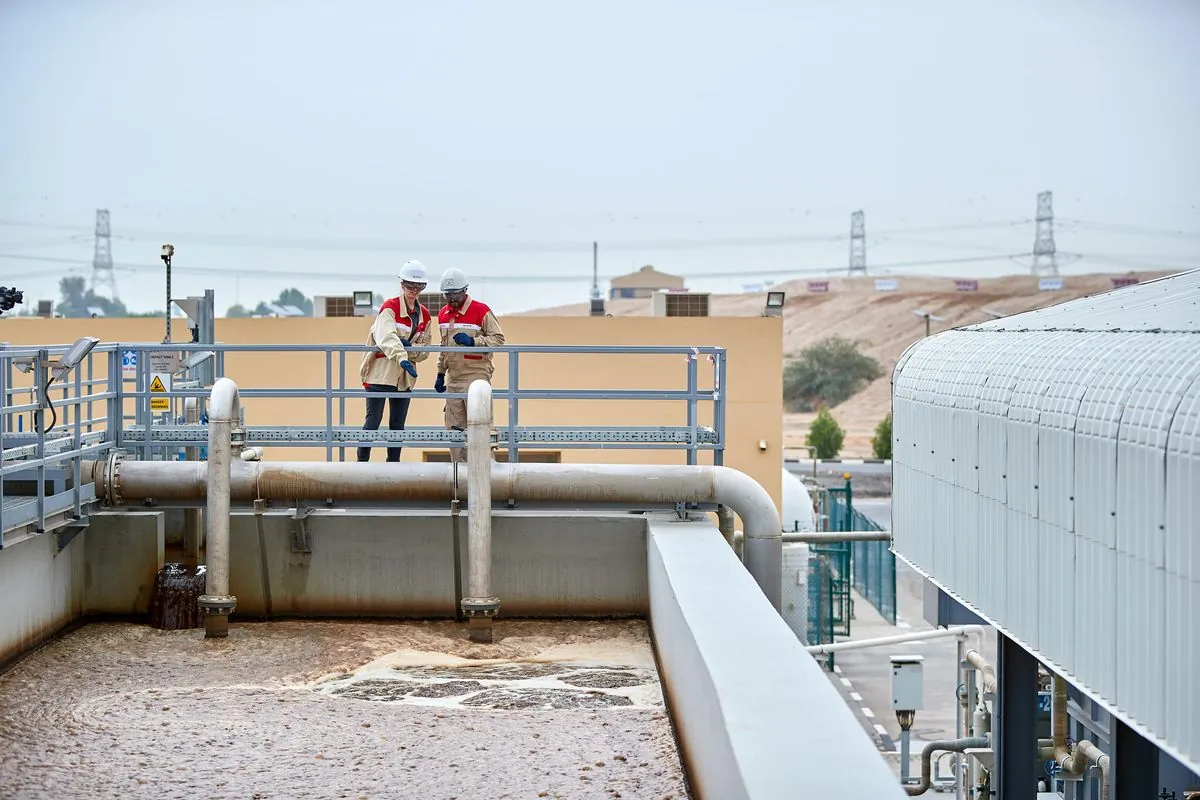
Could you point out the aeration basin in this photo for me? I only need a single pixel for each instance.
(633, 656)
(341, 709)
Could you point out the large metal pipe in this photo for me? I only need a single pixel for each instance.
(224, 411)
(947, 745)
(193, 518)
(120, 482)
(480, 605)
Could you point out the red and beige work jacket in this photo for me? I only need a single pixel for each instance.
(393, 327)
(477, 320)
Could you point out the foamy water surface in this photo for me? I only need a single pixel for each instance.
(321, 709)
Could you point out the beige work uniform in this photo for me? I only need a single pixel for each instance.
(382, 366)
(462, 368)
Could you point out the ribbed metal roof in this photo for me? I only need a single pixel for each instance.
(1169, 304)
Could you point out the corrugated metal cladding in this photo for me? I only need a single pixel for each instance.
(1047, 471)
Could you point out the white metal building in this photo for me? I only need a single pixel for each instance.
(1047, 476)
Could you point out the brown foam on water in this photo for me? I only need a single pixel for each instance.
(117, 710)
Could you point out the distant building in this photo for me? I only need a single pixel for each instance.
(643, 283)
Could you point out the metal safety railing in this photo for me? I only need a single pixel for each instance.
(137, 405)
(867, 567)
(47, 429)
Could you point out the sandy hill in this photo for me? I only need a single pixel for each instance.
(882, 321)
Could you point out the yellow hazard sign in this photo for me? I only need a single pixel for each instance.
(160, 383)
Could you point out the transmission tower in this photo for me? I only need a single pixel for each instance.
(102, 262)
(1045, 258)
(858, 244)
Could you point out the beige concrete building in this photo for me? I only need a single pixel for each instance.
(643, 283)
(753, 387)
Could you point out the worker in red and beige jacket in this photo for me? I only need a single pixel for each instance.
(464, 322)
(402, 322)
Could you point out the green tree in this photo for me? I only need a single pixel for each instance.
(827, 373)
(825, 435)
(237, 310)
(77, 300)
(881, 442)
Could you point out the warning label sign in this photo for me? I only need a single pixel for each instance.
(160, 383)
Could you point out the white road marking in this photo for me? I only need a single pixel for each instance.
(882, 731)
(856, 697)
(868, 712)
(845, 682)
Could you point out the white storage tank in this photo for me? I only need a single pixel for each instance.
(797, 505)
(794, 595)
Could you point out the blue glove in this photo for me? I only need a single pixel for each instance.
(439, 385)
(464, 340)
(408, 367)
(406, 342)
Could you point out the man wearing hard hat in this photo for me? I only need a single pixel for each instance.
(464, 322)
(402, 322)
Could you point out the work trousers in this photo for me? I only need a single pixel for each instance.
(397, 414)
(456, 418)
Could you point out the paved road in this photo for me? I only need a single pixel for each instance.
(879, 510)
(864, 676)
(805, 467)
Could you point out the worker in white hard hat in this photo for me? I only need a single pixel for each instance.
(464, 322)
(402, 322)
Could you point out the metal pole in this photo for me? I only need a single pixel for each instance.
(167, 259)
(904, 746)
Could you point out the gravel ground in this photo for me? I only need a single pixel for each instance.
(321, 709)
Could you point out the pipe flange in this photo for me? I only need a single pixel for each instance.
(112, 486)
(222, 604)
(481, 606)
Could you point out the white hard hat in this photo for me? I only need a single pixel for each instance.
(413, 272)
(453, 280)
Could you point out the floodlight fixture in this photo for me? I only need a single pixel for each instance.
(774, 304)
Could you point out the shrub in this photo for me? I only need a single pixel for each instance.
(825, 435)
(881, 442)
(827, 373)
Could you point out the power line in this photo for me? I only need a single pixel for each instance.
(258, 272)
(464, 246)
(1136, 230)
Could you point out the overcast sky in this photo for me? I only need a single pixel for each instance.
(321, 144)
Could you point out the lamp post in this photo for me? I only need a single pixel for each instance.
(168, 250)
(927, 316)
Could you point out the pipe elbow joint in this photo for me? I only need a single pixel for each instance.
(224, 404)
(479, 403)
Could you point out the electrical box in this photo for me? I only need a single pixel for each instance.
(908, 686)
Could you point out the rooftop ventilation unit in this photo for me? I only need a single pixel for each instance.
(680, 304)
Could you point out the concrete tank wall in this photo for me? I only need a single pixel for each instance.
(42, 592)
(373, 563)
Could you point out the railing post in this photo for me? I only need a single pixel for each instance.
(76, 460)
(691, 407)
(513, 380)
(41, 372)
(719, 407)
(342, 398)
(329, 405)
(4, 381)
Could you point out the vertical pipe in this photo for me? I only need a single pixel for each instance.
(216, 604)
(480, 605)
(193, 519)
(41, 374)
